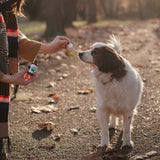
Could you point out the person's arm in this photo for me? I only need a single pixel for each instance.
(28, 49)
(17, 78)
(60, 42)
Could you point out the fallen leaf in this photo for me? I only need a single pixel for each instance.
(54, 144)
(85, 91)
(74, 131)
(54, 100)
(157, 70)
(65, 75)
(51, 84)
(140, 65)
(98, 155)
(58, 57)
(93, 110)
(58, 79)
(57, 137)
(48, 125)
(35, 110)
(53, 94)
(54, 109)
(73, 108)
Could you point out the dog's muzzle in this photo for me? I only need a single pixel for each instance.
(80, 54)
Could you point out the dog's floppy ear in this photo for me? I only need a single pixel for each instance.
(110, 62)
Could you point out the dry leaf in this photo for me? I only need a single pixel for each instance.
(53, 94)
(48, 125)
(73, 108)
(35, 110)
(57, 137)
(98, 155)
(54, 144)
(51, 84)
(93, 110)
(74, 131)
(85, 91)
(54, 100)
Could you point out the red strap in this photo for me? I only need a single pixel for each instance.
(1, 19)
(13, 31)
(4, 99)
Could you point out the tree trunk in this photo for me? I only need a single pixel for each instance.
(81, 9)
(140, 9)
(103, 4)
(70, 12)
(53, 14)
(91, 11)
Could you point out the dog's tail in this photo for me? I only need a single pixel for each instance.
(115, 44)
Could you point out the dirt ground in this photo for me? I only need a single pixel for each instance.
(66, 77)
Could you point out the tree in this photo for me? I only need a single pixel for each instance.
(81, 9)
(91, 11)
(32, 8)
(70, 12)
(53, 15)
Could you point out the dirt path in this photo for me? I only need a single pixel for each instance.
(141, 47)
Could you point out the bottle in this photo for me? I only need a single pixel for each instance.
(71, 48)
(32, 69)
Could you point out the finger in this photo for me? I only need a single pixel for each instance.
(64, 46)
(25, 70)
(64, 42)
(64, 38)
(30, 79)
(27, 81)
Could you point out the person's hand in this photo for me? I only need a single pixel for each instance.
(60, 42)
(18, 78)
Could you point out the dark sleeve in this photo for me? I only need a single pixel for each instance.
(1, 75)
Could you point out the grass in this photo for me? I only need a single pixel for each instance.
(79, 23)
(33, 29)
(104, 23)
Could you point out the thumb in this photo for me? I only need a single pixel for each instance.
(64, 42)
(25, 70)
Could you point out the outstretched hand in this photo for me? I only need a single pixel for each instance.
(60, 42)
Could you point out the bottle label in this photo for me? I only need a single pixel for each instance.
(32, 69)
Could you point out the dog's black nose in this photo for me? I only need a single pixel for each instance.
(80, 54)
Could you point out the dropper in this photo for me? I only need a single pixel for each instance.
(70, 46)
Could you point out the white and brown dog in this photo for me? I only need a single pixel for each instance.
(118, 86)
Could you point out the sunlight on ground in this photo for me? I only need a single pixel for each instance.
(35, 29)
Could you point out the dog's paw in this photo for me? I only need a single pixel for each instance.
(129, 144)
(112, 126)
(104, 143)
(113, 123)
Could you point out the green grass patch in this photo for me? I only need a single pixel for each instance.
(104, 23)
(30, 28)
(115, 22)
(79, 23)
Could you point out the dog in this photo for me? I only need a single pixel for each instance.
(118, 87)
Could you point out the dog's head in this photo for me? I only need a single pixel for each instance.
(106, 58)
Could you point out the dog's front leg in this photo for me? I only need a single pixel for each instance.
(127, 124)
(103, 119)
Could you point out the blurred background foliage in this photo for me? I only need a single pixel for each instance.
(57, 15)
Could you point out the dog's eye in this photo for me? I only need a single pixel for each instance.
(94, 52)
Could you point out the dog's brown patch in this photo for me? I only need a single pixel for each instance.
(108, 61)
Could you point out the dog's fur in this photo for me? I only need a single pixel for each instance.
(118, 86)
